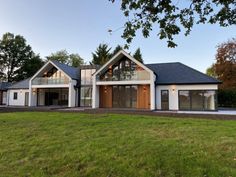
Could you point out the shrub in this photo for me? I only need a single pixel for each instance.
(227, 98)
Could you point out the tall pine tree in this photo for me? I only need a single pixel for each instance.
(138, 56)
(117, 49)
(101, 55)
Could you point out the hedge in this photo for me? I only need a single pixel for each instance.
(227, 98)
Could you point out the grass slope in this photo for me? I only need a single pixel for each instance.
(72, 144)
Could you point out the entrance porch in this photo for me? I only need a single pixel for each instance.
(52, 96)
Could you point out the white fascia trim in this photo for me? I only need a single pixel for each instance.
(123, 82)
(51, 86)
(44, 66)
(128, 56)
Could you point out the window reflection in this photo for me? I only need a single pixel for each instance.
(86, 87)
(124, 96)
(86, 76)
(86, 96)
(124, 69)
(197, 100)
(52, 76)
(184, 100)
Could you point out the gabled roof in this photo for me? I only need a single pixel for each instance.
(24, 84)
(5, 85)
(118, 56)
(178, 73)
(72, 72)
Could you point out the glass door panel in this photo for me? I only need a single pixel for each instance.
(124, 96)
(165, 100)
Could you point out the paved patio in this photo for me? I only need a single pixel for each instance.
(219, 112)
(218, 115)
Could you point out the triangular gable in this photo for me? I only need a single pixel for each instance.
(117, 57)
(45, 66)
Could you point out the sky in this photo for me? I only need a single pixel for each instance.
(79, 26)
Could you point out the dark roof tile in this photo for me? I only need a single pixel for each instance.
(5, 85)
(69, 70)
(178, 73)
(24, 84)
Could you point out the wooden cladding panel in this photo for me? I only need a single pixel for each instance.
(105, 96)
(143, 97)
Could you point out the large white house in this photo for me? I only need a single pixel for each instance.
(123, 82)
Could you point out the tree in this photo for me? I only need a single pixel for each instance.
(116, 50)
(211, 71)
(101, 55)
(138, 56)
(76, 60)
(63, 56)
(2, 76)
(14, 56)
(173, 16)
(225, 66)
(29, 68)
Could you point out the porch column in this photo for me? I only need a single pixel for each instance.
(152, 96)
(152, 92)
(95, 94)
(71, 94)
(32, 95)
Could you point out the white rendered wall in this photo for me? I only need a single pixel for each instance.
(20, 101)
(173, 93)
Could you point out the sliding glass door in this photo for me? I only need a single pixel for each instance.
(124, 96)
(52, 97)
(197, 100)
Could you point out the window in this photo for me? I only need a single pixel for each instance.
(124, 70)
(86, 76)
(184, 100)
(86, 96)
(197, 100)
(15, 95)
(51, 76)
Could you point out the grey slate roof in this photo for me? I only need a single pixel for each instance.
(178, 73)
(24, 84)
(69, 70)
(4, 85)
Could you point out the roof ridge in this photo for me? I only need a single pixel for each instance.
(63, 64)
(162, 63)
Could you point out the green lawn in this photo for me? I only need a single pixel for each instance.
(73, 144)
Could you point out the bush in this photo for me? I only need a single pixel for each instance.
(227, 98)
